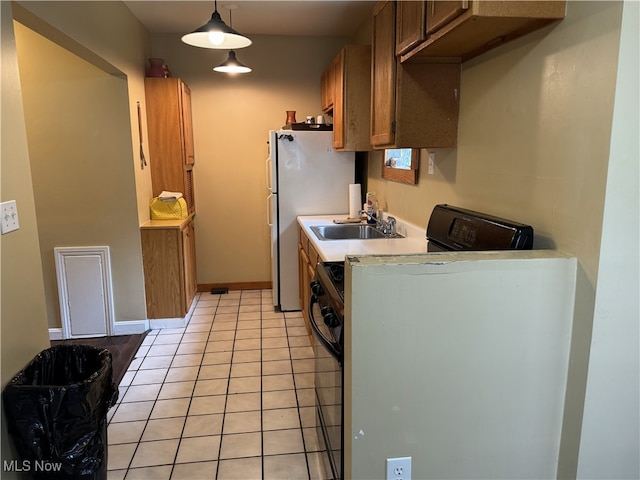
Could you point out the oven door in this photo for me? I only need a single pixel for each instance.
(328, 383)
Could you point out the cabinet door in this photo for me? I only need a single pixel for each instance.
(189, 259)
(187, 127)
(170, 136)
(311, 273)
(441, 12)
(410, 25)
(383, 67)
(338, 99)
(303, 280)
(163, 273)
(327, 88)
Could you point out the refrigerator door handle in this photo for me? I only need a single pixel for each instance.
(269, 173)
(269, 219)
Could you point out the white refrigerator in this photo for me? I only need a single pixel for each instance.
(305, 176)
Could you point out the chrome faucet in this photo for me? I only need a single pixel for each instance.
(388, 227)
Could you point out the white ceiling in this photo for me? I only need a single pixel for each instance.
(265, 17)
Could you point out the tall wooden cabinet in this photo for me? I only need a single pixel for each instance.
(168, 257)
(346, 95)
(414, 105)
(171, 154)
(168, 246)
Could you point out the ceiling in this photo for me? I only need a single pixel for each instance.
(257, 17)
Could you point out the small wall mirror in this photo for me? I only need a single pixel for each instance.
(401, 165)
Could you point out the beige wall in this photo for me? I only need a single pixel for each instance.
(107, 35)
(86, 28)
(80, 92)
(533, 137)
(77, 119)
(231, 118)
(23, 320)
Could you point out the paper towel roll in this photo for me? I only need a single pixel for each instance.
(355, 200)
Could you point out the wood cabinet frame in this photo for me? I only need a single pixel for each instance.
(168, 258)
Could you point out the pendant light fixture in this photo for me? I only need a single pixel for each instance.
(216, 34)
(232, 65)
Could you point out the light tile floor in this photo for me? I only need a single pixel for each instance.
(230, 396)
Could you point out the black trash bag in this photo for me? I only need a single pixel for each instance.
(56, 410)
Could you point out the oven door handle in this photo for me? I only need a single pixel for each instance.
(330, 346)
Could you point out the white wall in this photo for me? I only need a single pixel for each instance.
(610, 440)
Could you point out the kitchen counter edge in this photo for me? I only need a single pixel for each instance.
(177, 223)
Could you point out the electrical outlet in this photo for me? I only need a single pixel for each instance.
(9, 212)
(431, 169)
(399, 468)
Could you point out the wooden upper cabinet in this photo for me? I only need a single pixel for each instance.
(383, 74)
(171, 152)
(460, 30)
(346, 96)
(327, 87)
(338, 70)
(411, 18)
(352, 98)
(412, 106)
(442, 12)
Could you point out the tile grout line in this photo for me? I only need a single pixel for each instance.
(226, 396)
(184, 426)
(295, 388)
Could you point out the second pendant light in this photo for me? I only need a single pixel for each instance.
(232, 64)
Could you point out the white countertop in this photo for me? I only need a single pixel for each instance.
(414, 240)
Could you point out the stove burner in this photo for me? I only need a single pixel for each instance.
(336, 271)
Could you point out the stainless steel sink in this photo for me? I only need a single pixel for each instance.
(349, 232)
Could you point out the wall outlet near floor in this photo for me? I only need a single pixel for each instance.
(9, 212)
(399, 468)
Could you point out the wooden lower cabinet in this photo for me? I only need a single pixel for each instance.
(308, 258)
(169, 260)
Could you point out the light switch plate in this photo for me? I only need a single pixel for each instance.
(9, 212)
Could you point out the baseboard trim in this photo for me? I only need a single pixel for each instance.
(126, 327)
(158, 323)
(55, 334)
(130, 327)
(179, 322)
(206, 287)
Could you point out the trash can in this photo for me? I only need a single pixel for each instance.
(56, 412)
